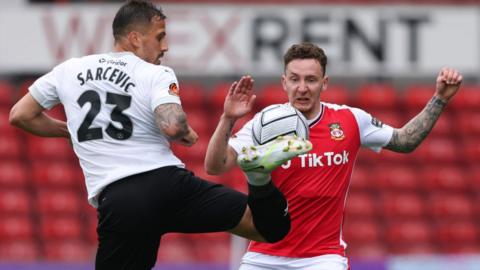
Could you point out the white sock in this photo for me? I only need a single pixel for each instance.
(258, 179)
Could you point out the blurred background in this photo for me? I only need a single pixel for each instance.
(416, 211)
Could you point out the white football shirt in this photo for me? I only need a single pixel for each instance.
(109, 100)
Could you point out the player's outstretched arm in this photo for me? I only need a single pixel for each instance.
(28, 115)
(220, 156)
(407, 138)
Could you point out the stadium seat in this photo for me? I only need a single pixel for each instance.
(14, 202)
(49, 149)
(7, 129)
(57, 112)
(389, 117)
(397, 177)
(360, 204)
(60, 228)
(467, 124)
(361, 230)
(366, 250)
(56, 174)
(192, 95)
(57, 202)
(417, 96)
(217, 96)
(69, 251)
(446, 178)
(456, 232)
(336, 94)
(19, 251)
(377, 96)
(470, 150)
(450, 205)
(13, 173)
(408, 233)
(201, 122)
(467, 99)
(437, 151)
(218, 250)
(361, 179)
(16, 227)
(175, 249)
(7, 94)
(271, 94)
(402, 206)
(10, 148)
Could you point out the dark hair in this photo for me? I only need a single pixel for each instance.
(134, 13)
(306, 50)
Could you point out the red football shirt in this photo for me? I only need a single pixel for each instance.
(315, 184)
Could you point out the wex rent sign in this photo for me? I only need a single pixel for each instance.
(232, 39)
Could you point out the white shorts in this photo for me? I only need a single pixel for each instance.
(259, 261)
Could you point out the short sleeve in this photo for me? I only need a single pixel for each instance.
(373, 133)
(165, 88)
(45, 89)
(243, 138)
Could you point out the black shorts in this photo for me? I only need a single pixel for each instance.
(134, 213)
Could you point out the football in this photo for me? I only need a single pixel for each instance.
(278, 120)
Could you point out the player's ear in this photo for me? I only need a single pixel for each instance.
(325, 83)
(134, 39)
(283, 80)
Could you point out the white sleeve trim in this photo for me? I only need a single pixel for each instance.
(165, 100)
(372, 136)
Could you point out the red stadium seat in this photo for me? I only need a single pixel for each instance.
(175, 249)
(446, 178)
(57, 112)
(10, 148)
(16, 228)
(218, 247)
(58, 202)
(201, 122)
(271, 94)
(7, 129)
(13, 173)
(396, 206)
(467, 99)
(377, 96)
(437, 150)
(69, 251)
(361, 179)
(192, 95)
(471, 150)
(397, 177)
(14, 201)
(468, 124)
(19, 251)
(366, 250)
(217, 96)
(60, 228)
(416, 97)
(389, 117)
(56, 174)
(7, 94)
(360, 204)
(408, 233)
(49, 148)
(336, 94)
(457, 232)
(445, 205)
(362, 230)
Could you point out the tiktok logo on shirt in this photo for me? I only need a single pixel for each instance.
(315, 160)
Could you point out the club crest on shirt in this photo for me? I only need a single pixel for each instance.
(336, 132)
(173, 90)
(377, 122)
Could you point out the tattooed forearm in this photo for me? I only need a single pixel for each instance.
(171, 120)
(407, 138)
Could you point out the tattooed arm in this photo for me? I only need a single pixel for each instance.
(220, 156)
(407, 138)
(172, 121)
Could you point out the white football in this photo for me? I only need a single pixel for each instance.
(278, 120)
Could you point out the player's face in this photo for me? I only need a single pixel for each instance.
(153, 42)
(303, 81)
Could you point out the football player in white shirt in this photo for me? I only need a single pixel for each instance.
(123, 111)
(316, 184)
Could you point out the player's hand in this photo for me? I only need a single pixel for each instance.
(240, 98)
(190, 139)
(448, 83)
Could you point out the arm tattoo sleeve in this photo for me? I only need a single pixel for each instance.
(407, 138)
(170, 116)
